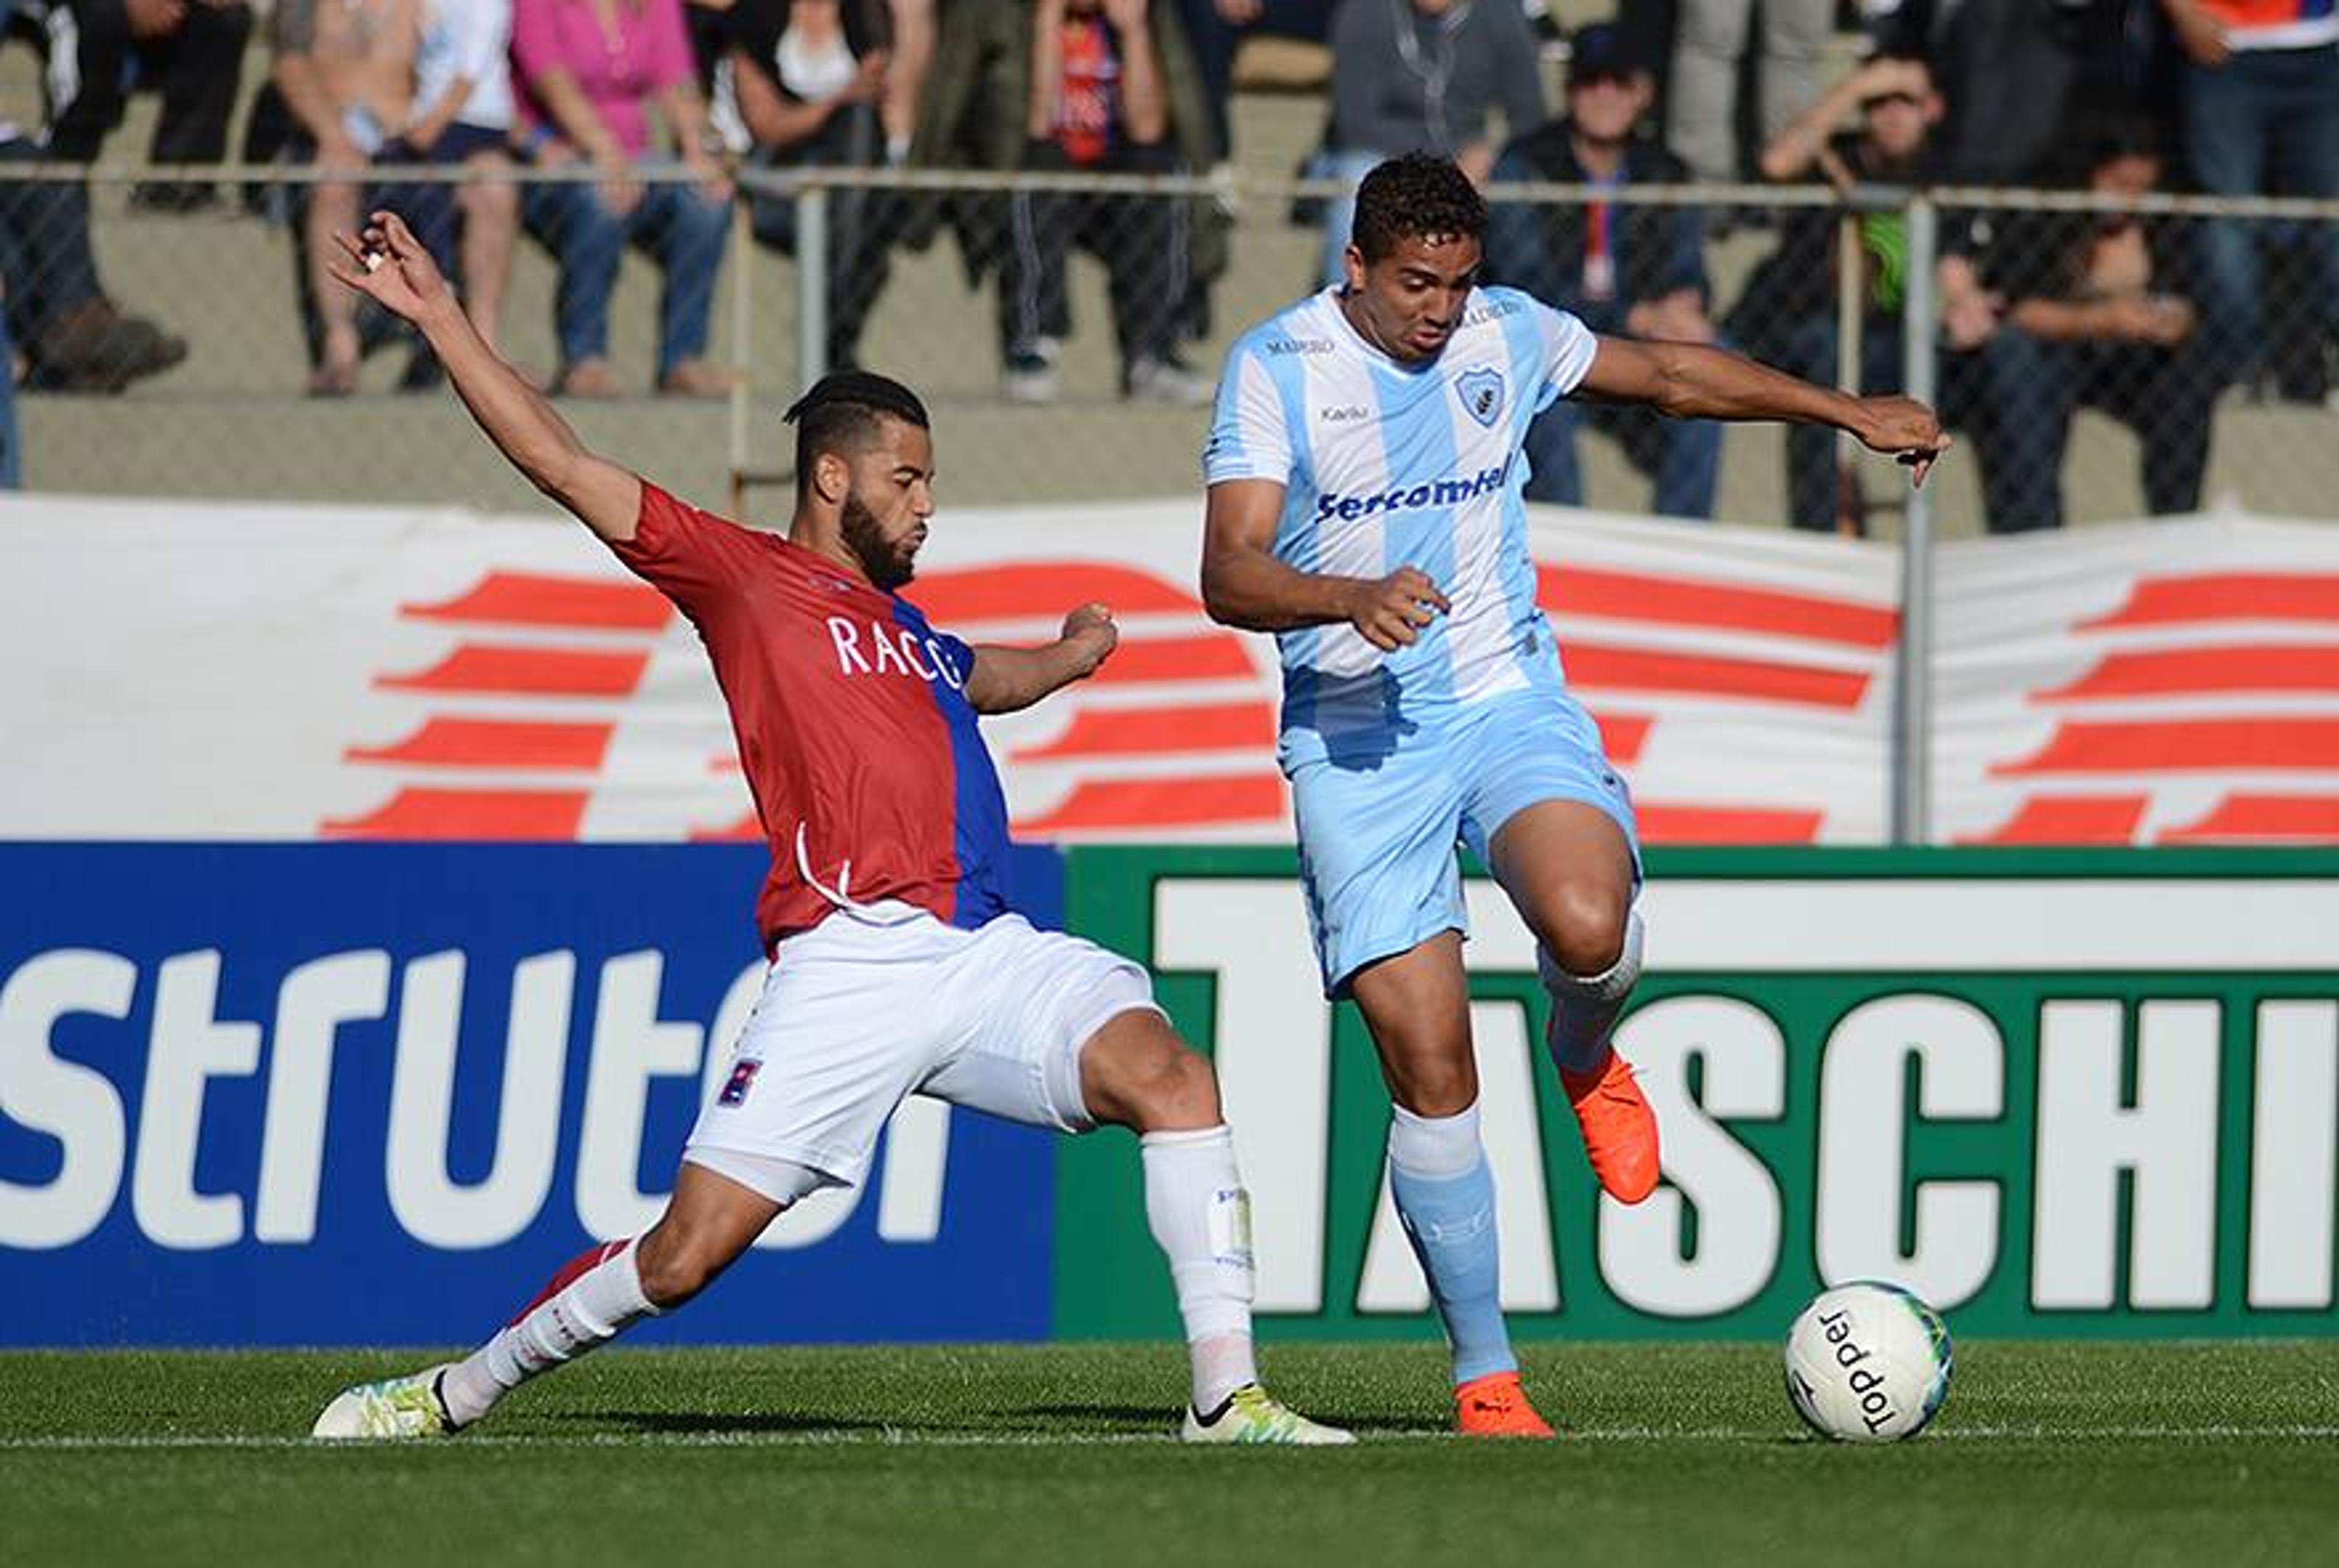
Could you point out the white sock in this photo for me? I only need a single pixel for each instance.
(593, 1308)
(1437, 1147)
(1201, 1216)
(1583, 1006)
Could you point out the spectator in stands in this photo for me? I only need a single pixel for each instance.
(1216, 27)
(12, 440)
(197, 67)
(72, 337)
(1629, 271)
(1702, 95)
(2260, 93)
(462, 116)
(12, 448)
(1787, 314)
(1104, 87)
(346, 73)
(907, 26)
(707, 23)
(1422, 76)
(912, 56)
(190, 52)
(2014, 74)
(806, 80)
(590, 74)
(2051, 310)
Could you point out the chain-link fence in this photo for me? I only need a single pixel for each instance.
(2100, 355)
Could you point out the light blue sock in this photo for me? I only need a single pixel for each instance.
(1444, 1193)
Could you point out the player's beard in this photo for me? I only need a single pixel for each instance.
(888, 563)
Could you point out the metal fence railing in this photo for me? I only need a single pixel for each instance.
(2195, 357)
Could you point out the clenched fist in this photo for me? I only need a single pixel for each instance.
(1392, 611)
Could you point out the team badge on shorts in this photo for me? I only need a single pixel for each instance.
(743, 1078)
(1481, 389)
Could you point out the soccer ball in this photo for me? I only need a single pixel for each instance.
(1868, 1361)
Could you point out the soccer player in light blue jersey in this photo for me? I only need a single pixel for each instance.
(1365, 506)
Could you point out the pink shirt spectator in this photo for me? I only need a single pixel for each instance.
(620, 71)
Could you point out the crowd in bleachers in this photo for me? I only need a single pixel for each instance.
(650, 108)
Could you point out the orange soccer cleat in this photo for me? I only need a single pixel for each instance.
(1495, 1405)
(1620, 1130)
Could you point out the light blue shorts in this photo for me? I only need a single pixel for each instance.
(1377, 832)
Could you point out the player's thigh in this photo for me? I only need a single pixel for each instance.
(845, 1028)
(713, 1215)
(1553, 820)
(1416, 1004)
(1376, 848)
(1532, 746)
(1018, 1006)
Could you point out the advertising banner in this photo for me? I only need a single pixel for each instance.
(406, 673)
(2068, 1093)
(312, 1094)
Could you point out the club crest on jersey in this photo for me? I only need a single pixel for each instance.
(743, 1078)
(1481, 390)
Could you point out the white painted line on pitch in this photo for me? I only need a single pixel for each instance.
(900, 1438)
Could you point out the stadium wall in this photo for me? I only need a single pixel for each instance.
(370, 1093)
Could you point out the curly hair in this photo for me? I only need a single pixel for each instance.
(1416, 197)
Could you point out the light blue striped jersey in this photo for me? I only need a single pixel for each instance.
(1386, 465)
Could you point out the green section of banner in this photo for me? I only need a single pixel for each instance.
(2137, 1141)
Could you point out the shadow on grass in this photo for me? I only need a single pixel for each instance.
(668, 1423)
(1113, 1420)
(1147, 1417)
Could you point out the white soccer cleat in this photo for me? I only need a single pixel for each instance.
(1252, 1415)
(394, 1409)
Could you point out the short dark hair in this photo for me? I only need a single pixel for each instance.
(1413, 198)
(841, 412)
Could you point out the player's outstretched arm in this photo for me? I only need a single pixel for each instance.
(1694, 382)
(389, 263)
(1245, 584)
(1005, 679)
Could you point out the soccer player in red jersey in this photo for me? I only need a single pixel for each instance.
(856, 725)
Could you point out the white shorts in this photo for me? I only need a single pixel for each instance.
(856, 1015)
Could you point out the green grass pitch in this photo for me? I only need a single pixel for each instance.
(2073, 1453)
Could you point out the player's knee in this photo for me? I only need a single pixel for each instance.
(1171, 1086)
(1181, 1091)
(1434, 1085)
(676, 1264)
(1137, 1072)
(1602, 985)
(1587, 919)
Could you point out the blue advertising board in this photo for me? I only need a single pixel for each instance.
(342, 1094)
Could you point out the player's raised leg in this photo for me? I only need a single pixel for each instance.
(1569, 869)
(594, 1297)
(1135, 1071)
(1417, 1004)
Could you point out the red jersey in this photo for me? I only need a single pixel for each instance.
(1088, 101)
(2276, 23)
(860, 746)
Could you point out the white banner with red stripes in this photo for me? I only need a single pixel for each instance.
(2171, 682)
(188, 670)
